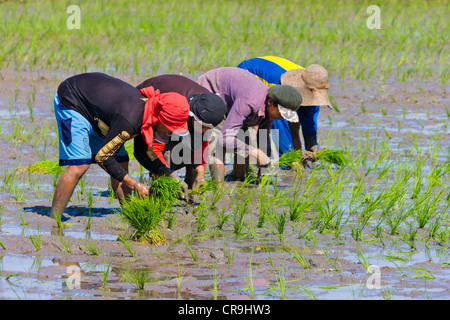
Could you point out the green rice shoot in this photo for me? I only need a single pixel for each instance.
(44, 167)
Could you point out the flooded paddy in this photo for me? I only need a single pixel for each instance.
(346, 244)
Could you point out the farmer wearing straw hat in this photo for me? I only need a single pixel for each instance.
(311, 82)
(250, 103)
(207, 110)
(96, 115)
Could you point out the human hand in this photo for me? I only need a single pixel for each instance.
(183, 194)
(142, 189)
(199, 180)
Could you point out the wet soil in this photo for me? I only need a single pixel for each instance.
(256, 264)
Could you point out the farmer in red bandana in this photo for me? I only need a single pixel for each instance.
(96, 115)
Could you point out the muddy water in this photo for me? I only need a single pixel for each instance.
(256, 264)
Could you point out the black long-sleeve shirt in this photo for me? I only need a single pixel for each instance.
(115, 110)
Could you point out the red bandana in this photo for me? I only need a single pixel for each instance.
(171, 109)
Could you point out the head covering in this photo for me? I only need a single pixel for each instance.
(288, 100)
(171, 109)
(207, 108)
(312, 83)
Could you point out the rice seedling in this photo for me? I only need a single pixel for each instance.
(297, 255)
(137, 276)
(239, 214)
(278, 222)
(333, 261)
(249, 280)
(90, 247)
(308, 292)
(219, 192)
(105, 273)
(281, 283)
(327, 212)
(2, 245)
(23, 221)
(222, 217)
(215, 282)
(179, 279)
(36, 239)
(363, 260)
(202, 214)
(127, 244)
(434, 228)
(410, 237)
(191, 250)
(65, 242)
(170, 218)
(143, 215)
(229, 254)
(423, 273)
(297, 208)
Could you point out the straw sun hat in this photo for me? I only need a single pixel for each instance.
(312, 83)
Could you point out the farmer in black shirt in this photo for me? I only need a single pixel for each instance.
(207, 110)
(96, 115)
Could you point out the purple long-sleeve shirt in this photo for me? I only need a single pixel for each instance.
(245, 97)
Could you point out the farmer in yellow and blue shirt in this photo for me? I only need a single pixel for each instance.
(311, 82)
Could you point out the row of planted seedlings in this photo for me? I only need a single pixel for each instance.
(385, 202)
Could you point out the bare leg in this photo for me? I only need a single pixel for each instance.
(190, 176)
(65, 187)
(120, 190)
(240, 167)
(217, 169)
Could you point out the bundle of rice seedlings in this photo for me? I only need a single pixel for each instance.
(165, 189)
(286, 159)
(43, 167)
(143, 215)
(332, 156)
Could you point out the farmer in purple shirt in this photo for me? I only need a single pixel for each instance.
(250, 103)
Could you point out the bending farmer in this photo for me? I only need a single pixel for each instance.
(250, 103)
(96, 115)
(312, 83)
(207, 110)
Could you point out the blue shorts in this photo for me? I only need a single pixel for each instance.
(78, 142)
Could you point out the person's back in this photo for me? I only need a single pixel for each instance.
(268, 69)
(102, 100)
(238, 88)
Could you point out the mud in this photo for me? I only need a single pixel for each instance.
(223, 260)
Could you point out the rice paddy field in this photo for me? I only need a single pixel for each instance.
(374, 228)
